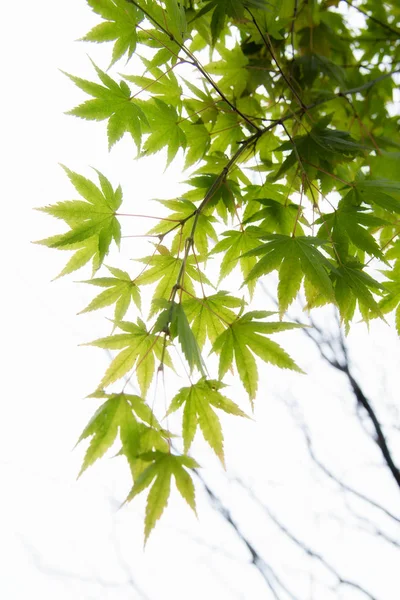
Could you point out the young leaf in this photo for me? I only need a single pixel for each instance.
(245, 336)
(139, 351)
(183, 213)
(121, 290)
(165, 269)
(209, 316)
(198, 400)
(120, 22)
(91, 219)
(235, 247)
(158, 474)
(115, 413)
(113, 102)
(165, 129)
(285, 253)
(173, 320)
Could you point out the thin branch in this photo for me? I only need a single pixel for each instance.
(363, 401)
(374, 19)
(333, 363)
(267, 573)
(343, 485)
(195, 63)
(267, 41)
(344, 367)
(303, 546)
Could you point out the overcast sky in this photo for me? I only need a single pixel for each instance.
(65, 539)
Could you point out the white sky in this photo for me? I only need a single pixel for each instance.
(61, 538)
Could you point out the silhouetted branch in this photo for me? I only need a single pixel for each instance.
(265, 570)
(304, 547)
(344, 367)
(343, 485)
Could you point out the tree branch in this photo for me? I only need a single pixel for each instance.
(380, 439)
(267, 573)
(374, 19)
(303, 546)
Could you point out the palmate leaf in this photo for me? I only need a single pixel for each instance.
(165, 129)
(350, 223)
(275, 217)
(173, 321)
(139, 431)
(121, 290)
(139, 351)
(294, 258)
(83, 253)
(231, 69)
(221, 10)
(209, 316)
(111, 101)
(139, 440)
(184, 212)
(93, 222)
(320, 151)
(198, 400)
(246, 336)
(162, 84)
(115, 414)
(165, 269)
(225, 196)
(120, 21)
(163, 466)
(197, 142)
(226, 132)
(353, 286)
(391, 300)
(235, 248)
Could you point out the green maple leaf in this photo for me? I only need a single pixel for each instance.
(221, 10)
(246, 336)
(121, 290)
(236, 246)
(198, 400)
(173, 320)
(380, 192)
(158, 474)
(231, 69)
(294, 258)
(391, 300)
(202, 111)
(353, 286)
(225, 196)
(90, 220)
(111, 101)
(139, 351)
(165, 269)
(140, 439)
(120, 22)
(350, 223)
(209, 316)
(320, 151)
(165, 129)
(114, 415)
(184, 211)
(226, 133)
(197, 142)
(275, 217)
(163, 85)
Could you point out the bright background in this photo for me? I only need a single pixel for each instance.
(65, 539)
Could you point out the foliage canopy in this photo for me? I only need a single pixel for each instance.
(283, 111)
